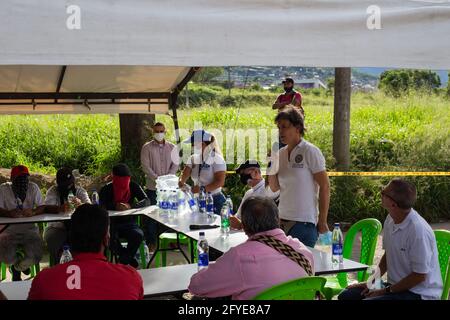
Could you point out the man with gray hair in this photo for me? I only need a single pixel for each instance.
(410, 258)
(267, 258)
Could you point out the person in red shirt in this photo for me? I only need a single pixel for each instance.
(89, 276)
(289, 97)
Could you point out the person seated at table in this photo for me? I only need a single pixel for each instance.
(206, 167)
(89, 276)
(411, 256)
(255, 265)
(21, 245)
(250, 175)
(56, 201)
(119, 195)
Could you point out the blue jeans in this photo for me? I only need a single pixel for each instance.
(355, 294)
(219, 200)
(132, 234)
(306, 232)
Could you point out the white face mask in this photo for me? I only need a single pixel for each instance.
(159, 136)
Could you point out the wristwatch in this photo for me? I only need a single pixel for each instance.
(387, 289)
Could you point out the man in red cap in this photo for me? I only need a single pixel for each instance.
(21, 245)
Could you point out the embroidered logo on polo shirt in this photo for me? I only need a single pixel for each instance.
(298, 161)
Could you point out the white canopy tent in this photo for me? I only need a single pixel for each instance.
(87, 89)
(77, 56)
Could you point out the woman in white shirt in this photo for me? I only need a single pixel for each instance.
(56, 201)
(206, 167)
(298, 172)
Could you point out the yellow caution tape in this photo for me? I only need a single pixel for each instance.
(382, 173)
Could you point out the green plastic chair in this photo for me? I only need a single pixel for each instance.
(34, 270)
(305, 288)
(113, 258)
(370, 229)
(167, 239)
(443, 245)
(2, 271)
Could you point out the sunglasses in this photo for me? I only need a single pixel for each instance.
(383, 193)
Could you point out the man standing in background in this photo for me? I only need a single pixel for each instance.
(289, 97)
(156, 161)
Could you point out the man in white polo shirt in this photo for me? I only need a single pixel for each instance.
(411, 256)
(250, 175)
(298, 172)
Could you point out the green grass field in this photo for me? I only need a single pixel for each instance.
(387, 134)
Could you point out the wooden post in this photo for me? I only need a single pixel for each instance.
(187, 94)
(341, 124)
(134, 132)
(173, 100)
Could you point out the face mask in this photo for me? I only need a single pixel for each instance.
(245, 178)
(20, 187)
(288, 89)
(159, 136)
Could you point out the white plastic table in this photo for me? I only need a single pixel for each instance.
(45, 218)
(181, 224)
(175, 279)
(156, 281)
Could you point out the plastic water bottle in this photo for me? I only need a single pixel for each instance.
(229, 202)
(210, 205)
(160, 199)
(95, 197)
(225, 220)
(19, 203)
(203, 251)
(337, 245)
(164, 202)
(191, 201)
(181, 201)
(146, 255)
(173, 198)
(66, 256)
(70, 198)
(202, 201)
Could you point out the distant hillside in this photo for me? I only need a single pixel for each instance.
(267, 76)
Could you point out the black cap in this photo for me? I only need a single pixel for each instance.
(288, 80)
(248, 164)
(121, 170)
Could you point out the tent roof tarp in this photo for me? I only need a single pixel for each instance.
(137, 89)
(320, 33)
(147, 46)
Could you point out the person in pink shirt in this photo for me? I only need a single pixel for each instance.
(159, 157)
(252, 267)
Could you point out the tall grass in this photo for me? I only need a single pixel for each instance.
(409, 133)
